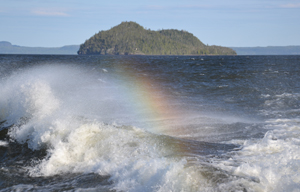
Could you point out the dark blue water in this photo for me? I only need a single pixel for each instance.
(149, 123)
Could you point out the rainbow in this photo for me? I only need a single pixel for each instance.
(163, 117)
(150, 100)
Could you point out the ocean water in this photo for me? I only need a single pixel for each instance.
(149, 123)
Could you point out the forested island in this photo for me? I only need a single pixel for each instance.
(129, 38)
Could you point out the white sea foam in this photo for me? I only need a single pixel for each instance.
(272, 162)
(87, 128)
(135, 160)
(73, 119)
(3, 143)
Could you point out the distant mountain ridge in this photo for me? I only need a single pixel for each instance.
(7, 48)
(130, 38)
(270, 50)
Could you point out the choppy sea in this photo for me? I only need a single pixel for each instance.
(149, 123)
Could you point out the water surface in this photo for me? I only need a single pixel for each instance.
(149, 123)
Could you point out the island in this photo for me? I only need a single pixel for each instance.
(130, 38)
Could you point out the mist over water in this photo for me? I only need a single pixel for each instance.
(149, 123)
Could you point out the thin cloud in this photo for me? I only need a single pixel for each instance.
(151, 8)
(290, 5)
(157, 7)
(195, 6)
(49, 12)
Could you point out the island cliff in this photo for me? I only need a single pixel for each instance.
(129, 38)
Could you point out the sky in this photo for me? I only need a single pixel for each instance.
(231, 23)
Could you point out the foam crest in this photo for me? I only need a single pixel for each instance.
(271, 163)
(3, 143)
(77, 121)
(134, 159)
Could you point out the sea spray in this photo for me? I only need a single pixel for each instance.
(74, 126)
(133, 158)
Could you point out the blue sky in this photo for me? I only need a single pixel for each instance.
(241, 23)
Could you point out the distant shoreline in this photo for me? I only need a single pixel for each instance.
(269, 50)
(8, 48)
(111, 55)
